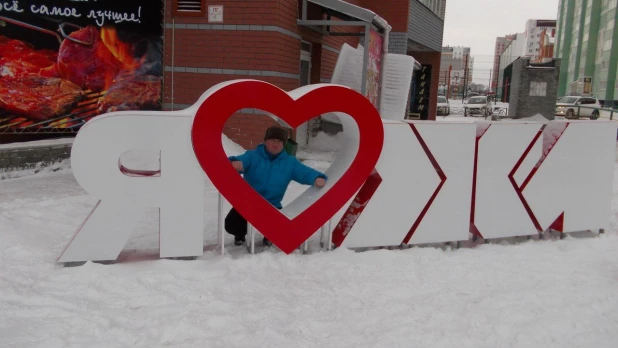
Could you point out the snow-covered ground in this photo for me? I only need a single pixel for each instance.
(457, 106)
(550, 293)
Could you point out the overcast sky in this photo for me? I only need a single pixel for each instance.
(477, 23)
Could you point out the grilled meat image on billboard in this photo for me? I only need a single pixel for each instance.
(63, 62)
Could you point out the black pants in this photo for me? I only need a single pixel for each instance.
(235, 224)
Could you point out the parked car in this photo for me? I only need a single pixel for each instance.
(568, 106)
(444, 108)
(478, 106)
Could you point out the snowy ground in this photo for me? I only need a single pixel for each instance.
(551, 293)
(458, 103)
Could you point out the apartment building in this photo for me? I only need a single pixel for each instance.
(587, 43)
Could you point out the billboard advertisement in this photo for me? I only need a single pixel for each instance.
(374, 66)
(419, 92)
(63, 62)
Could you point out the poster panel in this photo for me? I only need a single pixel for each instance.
(374, 67)
(421, 86)
(63, 62)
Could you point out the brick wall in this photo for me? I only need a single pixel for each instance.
(257, 40)
(395, 12)
(329, 59)
(262, 40)
(521, 104)
(330, 46)
(247, 129)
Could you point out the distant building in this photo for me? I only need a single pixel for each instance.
(587, 43)
(532, 91)
(532, 35)
(548, 40)
(433, 5)
(501, 43)
(442, 9)
(455, 65)
(513, 50)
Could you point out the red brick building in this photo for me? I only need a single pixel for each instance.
(501, 44)
(208, 42)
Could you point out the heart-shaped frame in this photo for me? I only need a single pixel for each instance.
(295, 108)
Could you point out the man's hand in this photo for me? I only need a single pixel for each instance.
(319, 182)
(237, 165)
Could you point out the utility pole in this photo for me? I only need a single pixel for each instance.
(463, 92)
(448, 84)
(456, 84)
(489, 88)
(445, 85)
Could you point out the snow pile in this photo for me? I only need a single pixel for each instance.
(39, 168)
(551, 134)
(322, 147)
(141, 160)
(536, 118)
(481, 128)
(326, 142)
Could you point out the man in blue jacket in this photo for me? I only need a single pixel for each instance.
(269, 170)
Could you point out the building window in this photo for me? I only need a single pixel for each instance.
(538, 89)
(433, 5)
(608, 45)
(189, 8)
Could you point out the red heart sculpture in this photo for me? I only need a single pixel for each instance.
(287, 234)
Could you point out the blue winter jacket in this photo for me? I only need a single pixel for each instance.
(270, 175)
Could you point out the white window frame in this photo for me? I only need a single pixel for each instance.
(538, 89)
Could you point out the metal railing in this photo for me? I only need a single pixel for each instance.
(577, 112)
(496, 110)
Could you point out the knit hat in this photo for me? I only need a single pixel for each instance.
(275, 132)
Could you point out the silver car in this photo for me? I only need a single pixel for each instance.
(575, 106)
(444, 108)
(478, 106)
